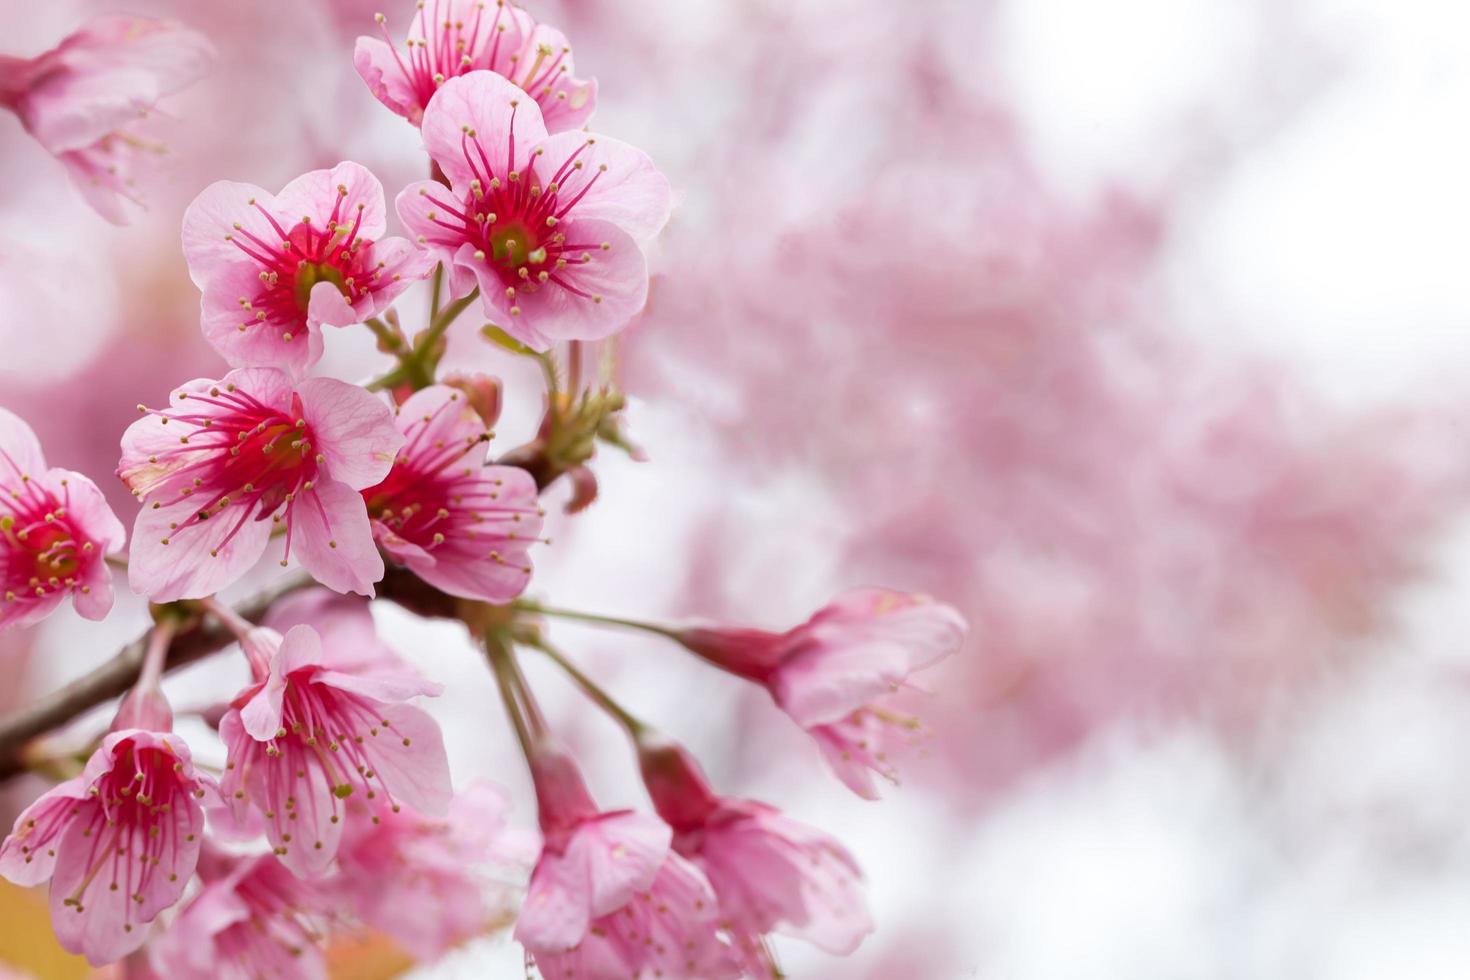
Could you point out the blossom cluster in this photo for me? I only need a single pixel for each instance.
(336, 808)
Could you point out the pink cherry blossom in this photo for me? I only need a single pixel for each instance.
(119, 842)
(274, 268)
(461, 526)
(835, 673)
(252, 919)
(449, 38)
(548, 227)
(769, 873)
(430, 883)
(83, 99)
(608, 899)
(310, 732)
(231, 460)
(55, 533)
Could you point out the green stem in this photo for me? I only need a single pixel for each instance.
(388, 340)
(446, 316)
(498, 654)
(526, 605)
(434, 290)
(598, 696)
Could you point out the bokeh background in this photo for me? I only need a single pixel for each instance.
(1136, 330)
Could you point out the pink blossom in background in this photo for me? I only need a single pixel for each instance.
(119, 842)
(608, 899)
(448, 38)
(549, 228)
(310, 733)
(83, 100)
(434, 883)
(246, 454)
(460, 525)
(253, 918)
(834, 673)
(274, 268)
(56, 532)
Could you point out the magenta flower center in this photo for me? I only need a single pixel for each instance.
(44, 549)
(244, 458)
(513, 219)
(299, 259)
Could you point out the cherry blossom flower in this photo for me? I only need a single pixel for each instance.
(232, 459)
(835, 673)
(119, 842)
(548, 227)
(252, 919)
(449, 38)
(55, 533)
(431, 883)
(274, 268)
(769, 873)
(83, 99)
(311, 731)
(461, 526)
(608, 899)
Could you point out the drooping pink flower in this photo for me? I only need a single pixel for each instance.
(608, 899)
(230, 460)
(274, 267)
(83, 99)
(313, 730)
(429, 883)
(835, 673)
(449, 38)
(119, 842)
(548, 227)
(461, 526)
(252, 919)
(55, 533)
(769, 873)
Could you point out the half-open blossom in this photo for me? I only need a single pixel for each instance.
(433, 883)
(274, 267)
(835, 673)
(119, 842)
(311, 732)
(458, 524)
(231, 460)
(252, 919)
(55, 533)
(548, 227)
(608, 899)
(453, 37)
(83, 99)
(769, 873)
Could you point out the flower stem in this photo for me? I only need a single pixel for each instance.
(388, 341)
(156, 653)
(526, 605)
(231, 620)
(434, 291)
(596, 694)
(502, 666)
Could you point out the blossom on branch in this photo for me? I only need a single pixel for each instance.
(458, 524)
(56, 530)
(448, 38)
(273, 268)
(550, 228)
(835, 674)
(230, 460)
(313, 730)
(119, 842)
(608, 899)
